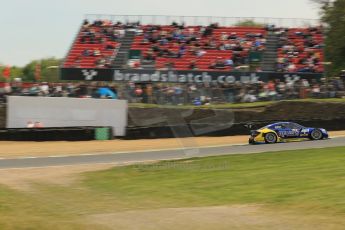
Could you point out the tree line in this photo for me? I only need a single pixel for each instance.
(37, 70)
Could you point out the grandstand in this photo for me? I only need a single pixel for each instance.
(212, 53)
(91, 43)
(107, 43)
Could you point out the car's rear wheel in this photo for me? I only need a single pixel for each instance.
(271, 138)
(316, 134)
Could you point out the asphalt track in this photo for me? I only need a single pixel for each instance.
(146, 156)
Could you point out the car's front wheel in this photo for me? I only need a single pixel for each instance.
(271, 138)
(316, 134)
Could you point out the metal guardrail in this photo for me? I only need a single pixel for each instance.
(204, 20)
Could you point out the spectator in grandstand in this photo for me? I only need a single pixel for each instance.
(229, 62)
(200, 53)
(170, 66)
(169, 53)
(316, 90)
(100, 63)
(44, 89)
(77, 62)
(218, 64)
(247, 95)
(238, 92)
(233, 36)
(149, 56)
(87, 53)
(177, 95)
(96, 52)
(138, 94)
(207, 31)
(86, 23)
(291, 67)
(182, 50)
(192, 65)
(238, 59)
(299, 47)
(109, 46)
(280, 88)
(223, 36)
(210, 44)
(106, 92)
(222, 46)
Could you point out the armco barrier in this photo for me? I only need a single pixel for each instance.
(51, 134)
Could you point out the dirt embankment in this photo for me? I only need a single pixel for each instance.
(304, 111)
(279, 111)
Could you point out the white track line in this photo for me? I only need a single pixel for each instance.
(126, 163)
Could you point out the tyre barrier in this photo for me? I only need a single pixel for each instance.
(56, 134)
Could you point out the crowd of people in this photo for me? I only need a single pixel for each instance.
(180, 94)
(300, 50)
(178, 40)
(79, 90)
(200, 94)
(105, 35)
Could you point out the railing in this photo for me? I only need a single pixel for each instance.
(205, 20)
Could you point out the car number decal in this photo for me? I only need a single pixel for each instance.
(304, 132)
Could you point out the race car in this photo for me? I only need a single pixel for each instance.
(284, 132)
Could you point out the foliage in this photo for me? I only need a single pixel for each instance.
(333, 15)
(249, 23)
(49, 70)
(16, 72)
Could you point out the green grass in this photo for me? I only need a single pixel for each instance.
(231, 105)
(308, 181)
(310, 176)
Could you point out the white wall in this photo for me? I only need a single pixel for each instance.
(67, 112)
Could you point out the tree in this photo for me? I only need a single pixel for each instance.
(29, 71)
(16, 72)
(48, 70)
(249, 23)
(333, 15)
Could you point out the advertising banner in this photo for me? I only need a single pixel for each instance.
(152, 76)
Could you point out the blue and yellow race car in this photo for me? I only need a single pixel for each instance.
(284, 132)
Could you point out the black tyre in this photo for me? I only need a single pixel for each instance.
(316, 134)
(251, 142)
(271, 138)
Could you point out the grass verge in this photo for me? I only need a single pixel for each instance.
(232, 105)
(307, 181)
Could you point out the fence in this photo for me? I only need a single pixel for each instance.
(204, 20)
